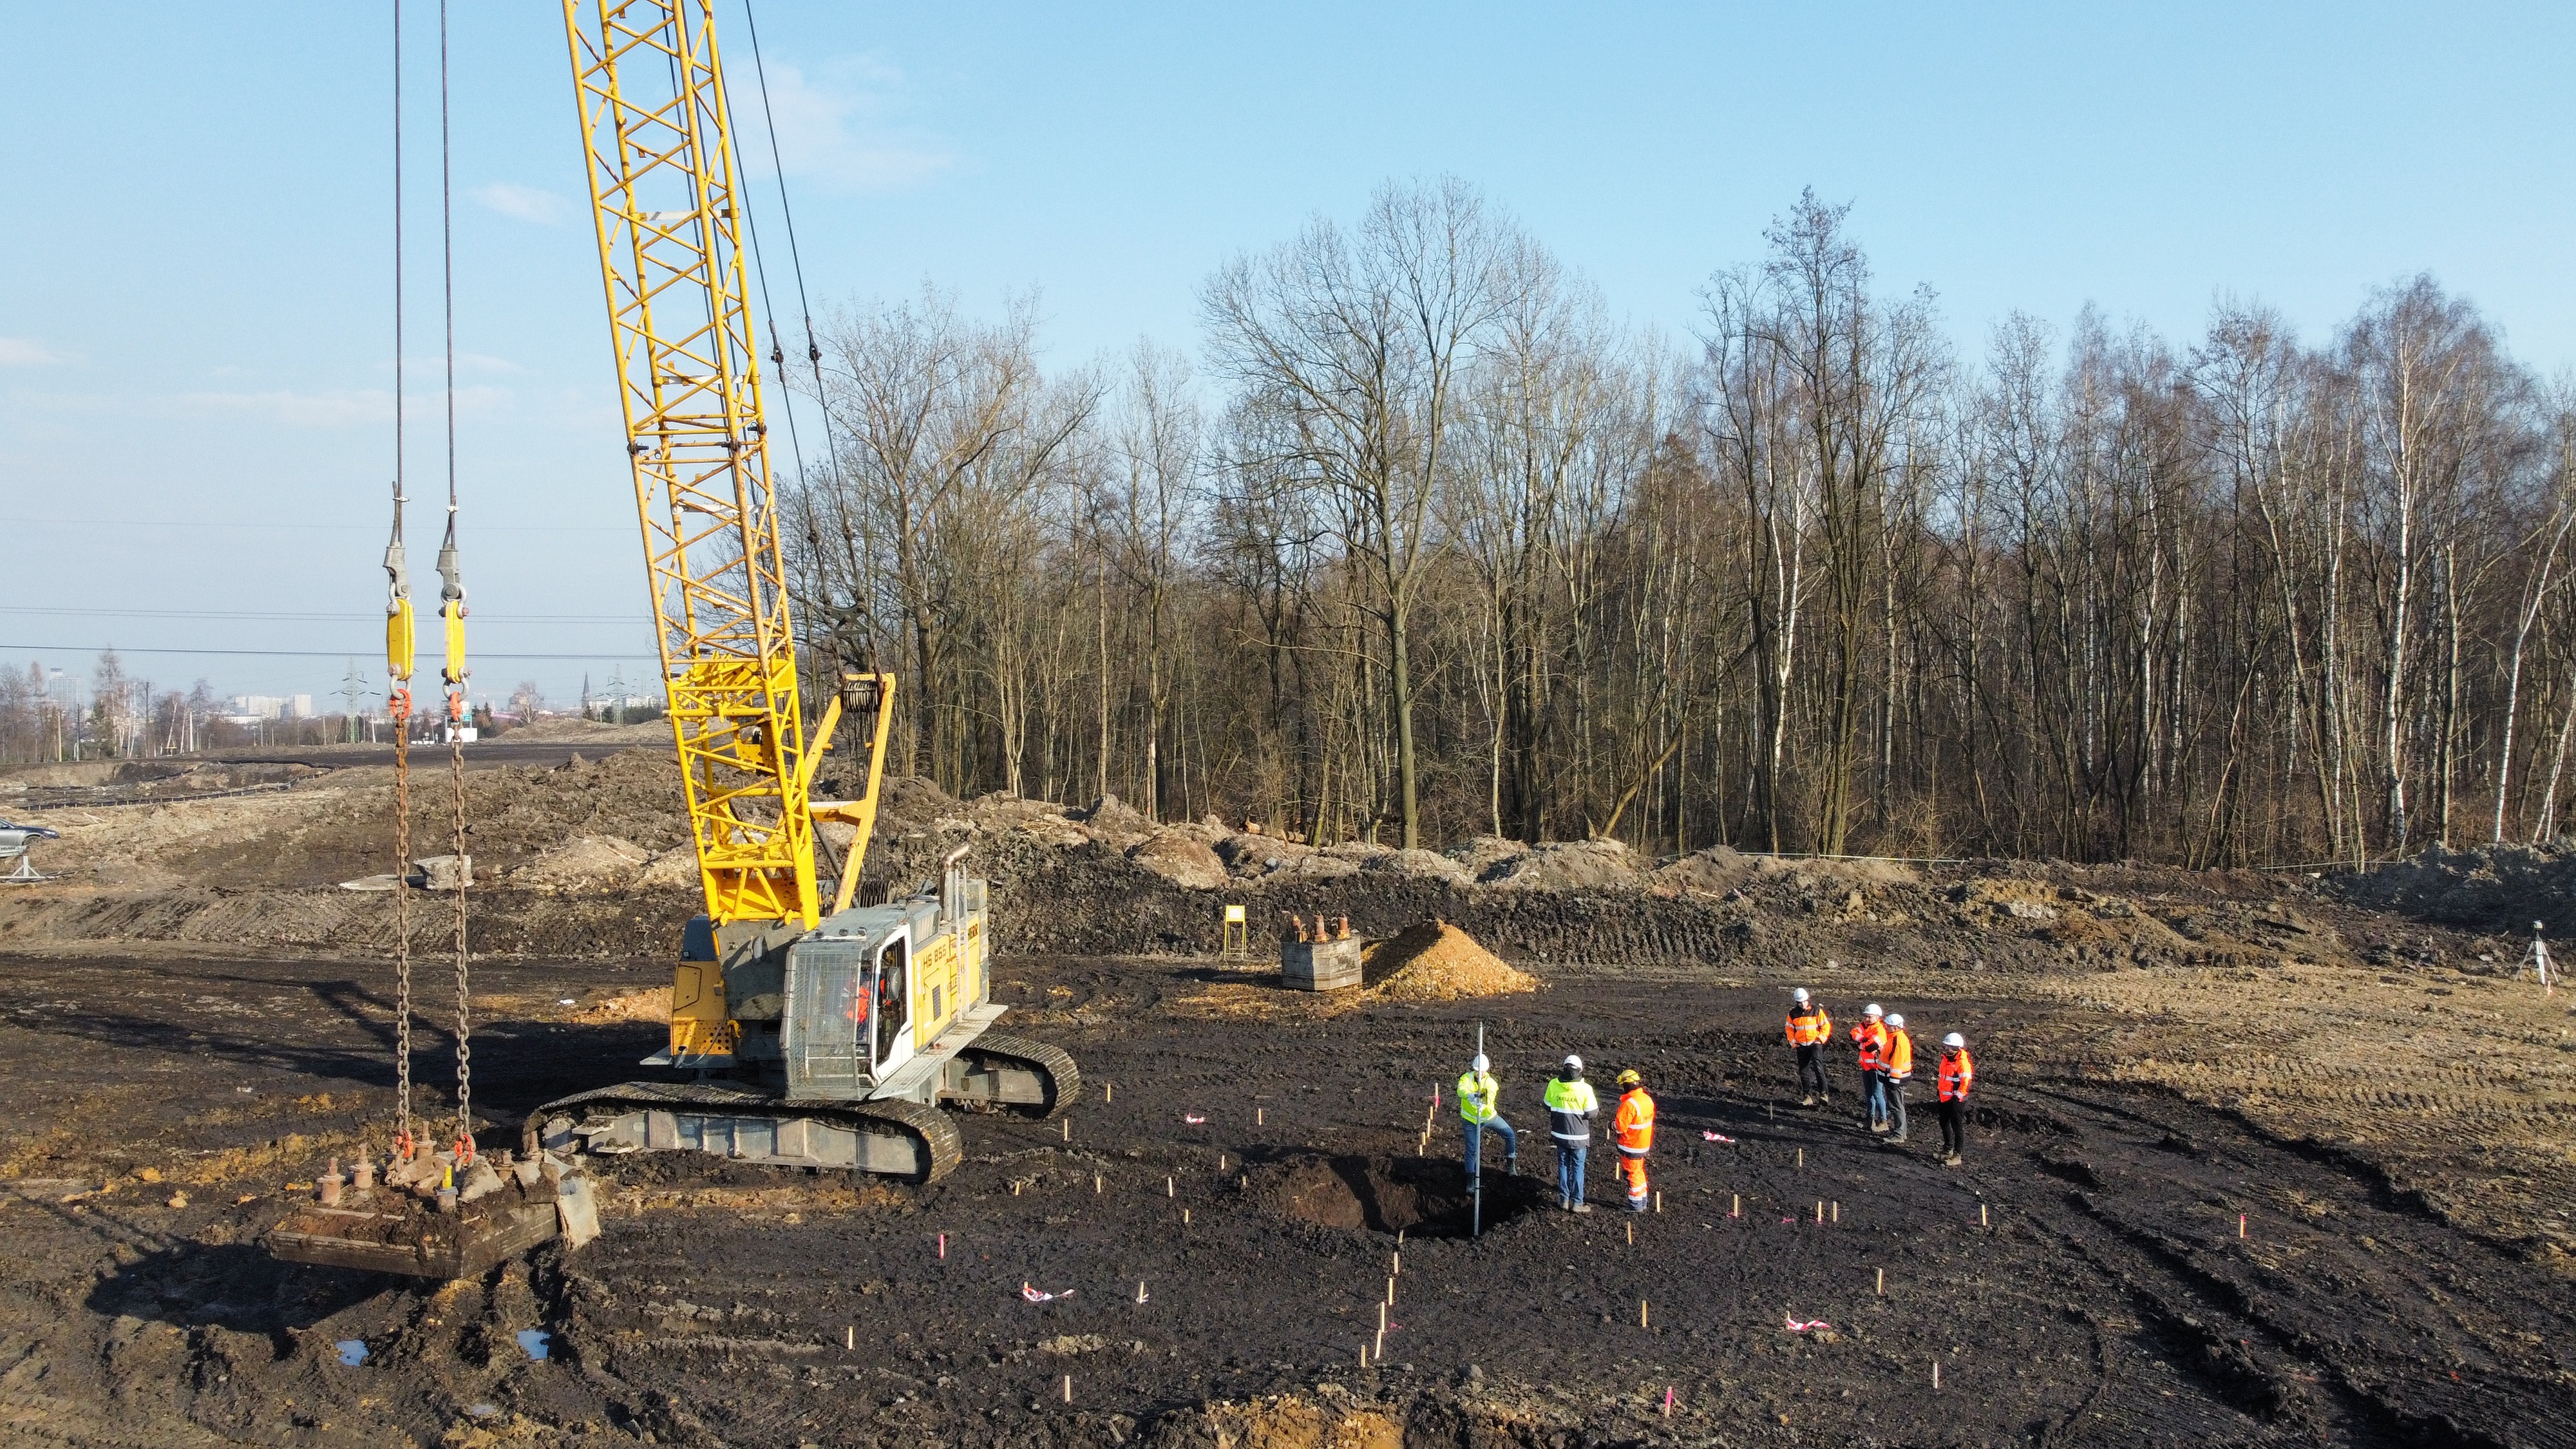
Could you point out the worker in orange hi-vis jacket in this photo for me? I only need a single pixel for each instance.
(1633, 1128)
(1958, 1074)
(1871, 1037)
(1809, 1029)
(1895, 1066)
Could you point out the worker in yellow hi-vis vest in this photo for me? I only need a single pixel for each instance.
(1479, 1109)
(1570, 1105)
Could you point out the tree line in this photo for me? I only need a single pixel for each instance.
(1423, 545)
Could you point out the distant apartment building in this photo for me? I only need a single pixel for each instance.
(270, 706)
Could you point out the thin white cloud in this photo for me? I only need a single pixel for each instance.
(836, 127)
(337, 408)
(287, 407)
(527, 203)
(27, 352)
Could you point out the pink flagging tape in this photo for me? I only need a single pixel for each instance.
(1713, 1137)
(1192, 1118)
(1794, 1326)
(1036, 1295)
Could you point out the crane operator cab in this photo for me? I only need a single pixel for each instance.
(828, 1048)
(876, 1002)
(873, 991)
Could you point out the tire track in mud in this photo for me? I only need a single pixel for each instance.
(2308, 1371)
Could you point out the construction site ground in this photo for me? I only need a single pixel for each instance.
(2258, 1158)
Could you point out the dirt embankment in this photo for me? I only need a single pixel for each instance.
(2371, 1016)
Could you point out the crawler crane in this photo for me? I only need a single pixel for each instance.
(817, 1035)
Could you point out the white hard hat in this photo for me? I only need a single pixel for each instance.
(1954, 1039)
(1480, 1064)
(1799, 996)
(1575, 1062)
(1872, 1010)
(1896, 1021)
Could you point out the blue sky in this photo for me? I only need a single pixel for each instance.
(195, 279)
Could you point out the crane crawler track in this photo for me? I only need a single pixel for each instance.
(886, 1137)
(1063, 1079)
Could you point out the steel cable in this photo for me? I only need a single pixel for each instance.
(452, 595)
(399, 705)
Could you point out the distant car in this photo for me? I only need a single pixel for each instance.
(14, 840)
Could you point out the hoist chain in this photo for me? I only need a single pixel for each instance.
(464, 1022)
(401, 711)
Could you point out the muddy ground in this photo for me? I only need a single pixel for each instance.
(2080, 1280)
(201, 1019)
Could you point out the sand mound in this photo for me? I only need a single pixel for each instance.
(650, 1004)
(1435, 961)
(588, 862)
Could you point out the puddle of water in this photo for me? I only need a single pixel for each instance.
(532, 1342)
(353, 1352)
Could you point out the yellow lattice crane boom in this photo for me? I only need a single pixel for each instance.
(664, 197)
(837, 1030)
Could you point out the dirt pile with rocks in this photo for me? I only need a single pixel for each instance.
(2503, 889)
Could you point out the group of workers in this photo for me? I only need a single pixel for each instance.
(1886, 1062)
(1886, 1052)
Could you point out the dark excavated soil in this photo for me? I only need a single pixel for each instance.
(2080, 1281)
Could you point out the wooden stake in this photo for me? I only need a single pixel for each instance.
(1395, 1266)
(1838, 1212)
(1668, 1401)
(1220, 1162)
(1802, 1157)
(1068, 1388)
(1659, 1199)
(1981, 1215)
(1140, 1290)
(943, 1247)
(1068, 1129)
(1185, 1217)
(1363, 1354)
(1641, 1313)
(1936, 1375)
(850, 1337)
(1390, 1290)
(1095, 1184)
(1168, 1189)
(2240, 1225)
(1736, 1208)
(1882, 1282)
(1820, 1213)
(1381, 1344)
(1258, 1114)
(1632, 1235)
(1108, 1092)
(1381, 1318)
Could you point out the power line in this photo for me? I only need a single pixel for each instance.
(605, 656)
(319, 618)
(265, 527)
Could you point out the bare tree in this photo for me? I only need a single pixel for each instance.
(1362, 339)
